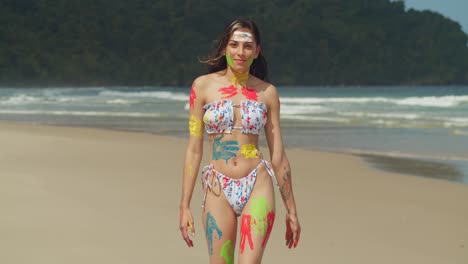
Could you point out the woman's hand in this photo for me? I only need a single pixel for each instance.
(293, 230)
(186, 222)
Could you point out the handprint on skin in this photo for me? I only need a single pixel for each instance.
(225, 149)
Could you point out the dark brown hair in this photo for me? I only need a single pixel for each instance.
(217, 60)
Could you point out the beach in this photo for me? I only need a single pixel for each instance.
(88, 195)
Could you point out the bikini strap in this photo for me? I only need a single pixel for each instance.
(206, 172)
(269, 169)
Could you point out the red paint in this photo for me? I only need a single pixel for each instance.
(193, 96)
(245, 233)
(250, 93)
(270, 221)
(228, 92)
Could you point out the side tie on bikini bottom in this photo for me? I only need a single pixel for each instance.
(237, 191)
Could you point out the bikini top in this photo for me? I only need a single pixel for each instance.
(219, 117)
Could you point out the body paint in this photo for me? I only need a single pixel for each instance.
(228, 92)
(246, 233)
(250, 93)
(193, 96)
(241, 36)
(191, 171)
(270, 222)
(224, 149)
(249, 151)
(227, 252)
(210, 227)
(195, 126)
(240, 78)
(230, 62)
(259, 210)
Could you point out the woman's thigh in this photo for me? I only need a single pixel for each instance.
(257, 219)
(220, 223)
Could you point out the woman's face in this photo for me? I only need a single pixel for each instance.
(241, 50)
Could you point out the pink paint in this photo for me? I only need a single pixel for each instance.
(228, 92)
(245, 233)
(250, 93)
(270, 221)
(193, 96)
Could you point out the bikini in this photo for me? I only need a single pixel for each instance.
(219, 119)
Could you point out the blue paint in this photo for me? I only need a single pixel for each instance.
(224, 149)
(210, 227)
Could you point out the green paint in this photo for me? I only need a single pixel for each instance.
(249, 62)
(227, 252)
(259, 210)
(229, 60)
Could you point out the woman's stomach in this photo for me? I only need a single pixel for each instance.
(234, 155)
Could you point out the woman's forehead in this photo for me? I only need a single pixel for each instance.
(242, 35)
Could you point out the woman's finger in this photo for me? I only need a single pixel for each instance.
(192, 228)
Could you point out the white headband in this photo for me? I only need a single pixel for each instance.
(242, 36)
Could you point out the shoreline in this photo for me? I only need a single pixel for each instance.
(427, 167)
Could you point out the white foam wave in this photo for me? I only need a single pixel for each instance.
(433, 101)
(80, 113)
(456, 122)
(318, 100)
(316, 118)
(288, 109)
(118, 101)
(157, 94)
(460, 132)
(381, 115)
(20, 99)
(427, 101)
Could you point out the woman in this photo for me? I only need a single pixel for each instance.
(233, 104)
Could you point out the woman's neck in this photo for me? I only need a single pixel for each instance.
(237, 77)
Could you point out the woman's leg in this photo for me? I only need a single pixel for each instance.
(257, 219)
(220, 223)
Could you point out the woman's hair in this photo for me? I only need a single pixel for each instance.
(217, 60)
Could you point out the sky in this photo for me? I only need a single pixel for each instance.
(456, 10)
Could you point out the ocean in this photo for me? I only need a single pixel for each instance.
(416, 130)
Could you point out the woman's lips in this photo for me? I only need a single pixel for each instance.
(240, 61)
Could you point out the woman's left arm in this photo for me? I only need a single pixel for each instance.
(281, 166)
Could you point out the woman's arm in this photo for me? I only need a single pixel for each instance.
(281, 166)
(193, 156)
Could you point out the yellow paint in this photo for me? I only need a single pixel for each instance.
(195, 126)
(249, 151)
(240, 78)
(191, 171)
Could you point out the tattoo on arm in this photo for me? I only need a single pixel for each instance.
(285, 188)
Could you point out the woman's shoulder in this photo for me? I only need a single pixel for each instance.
(205, 79)
(264, 86)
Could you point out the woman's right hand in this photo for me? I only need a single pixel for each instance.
(186, 222)
(293, 230)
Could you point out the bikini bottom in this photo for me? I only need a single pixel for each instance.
(237, 191)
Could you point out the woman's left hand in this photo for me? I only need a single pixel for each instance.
(293, 230)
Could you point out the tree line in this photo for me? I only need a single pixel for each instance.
(306, 42)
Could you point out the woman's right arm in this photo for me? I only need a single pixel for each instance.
(193, 157)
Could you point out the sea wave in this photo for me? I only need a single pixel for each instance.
(167, 95)
(425, 101)
(80, 113)
(381, 115)
(289, 109)
(20, 99)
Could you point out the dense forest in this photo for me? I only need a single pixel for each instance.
(306, 42)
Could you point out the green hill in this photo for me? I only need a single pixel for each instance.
(306, 42)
